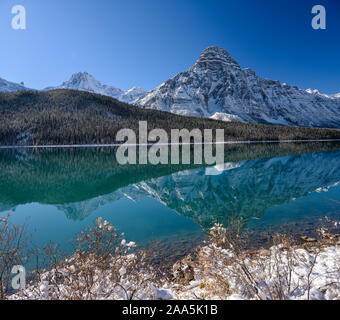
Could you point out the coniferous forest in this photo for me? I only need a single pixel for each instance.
(62, 117)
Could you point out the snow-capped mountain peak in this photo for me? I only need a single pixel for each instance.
(84, 81)
(214, 56)
(216, 84)
(317, 92)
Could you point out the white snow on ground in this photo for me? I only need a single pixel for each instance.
(221, 270)
(323, 279)
(103, 287)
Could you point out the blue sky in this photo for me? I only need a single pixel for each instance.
(144, 42)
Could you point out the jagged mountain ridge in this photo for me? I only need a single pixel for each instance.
(216, 85)
(83, 81)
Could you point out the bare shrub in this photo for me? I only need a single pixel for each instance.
(286, 271)
(13, 251)
(104, 266)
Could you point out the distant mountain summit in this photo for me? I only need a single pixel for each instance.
(83, 81)
(216, 86)
(7, 86)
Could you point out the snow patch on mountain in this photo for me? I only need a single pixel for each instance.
(130, 96)
(216, 84)
(225, 117)
(7, 86)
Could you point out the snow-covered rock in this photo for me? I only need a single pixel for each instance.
(130, 96)
(217, 84)
(225, 117)
(83, 81)
(6, 86)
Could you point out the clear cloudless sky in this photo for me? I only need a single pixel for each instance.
(144, 42)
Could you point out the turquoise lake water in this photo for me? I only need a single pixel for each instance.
(273, 187)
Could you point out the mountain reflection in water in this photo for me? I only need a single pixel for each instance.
(254, 179)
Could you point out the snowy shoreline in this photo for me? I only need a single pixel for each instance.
(318, 282)
(307, 271)
(324, 280)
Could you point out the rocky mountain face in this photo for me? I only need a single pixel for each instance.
(83, 81)
(6, 86)
(216, 86)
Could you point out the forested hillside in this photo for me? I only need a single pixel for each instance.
(75, 117)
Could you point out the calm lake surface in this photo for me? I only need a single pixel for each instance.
(274, 187)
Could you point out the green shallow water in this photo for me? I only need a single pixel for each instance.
(274, 187)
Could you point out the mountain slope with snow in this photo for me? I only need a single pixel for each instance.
(7, 86)
(83, 81)
(216, 84)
